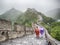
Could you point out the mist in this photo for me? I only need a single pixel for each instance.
(43, 6)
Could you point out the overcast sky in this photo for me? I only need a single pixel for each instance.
(40, 5)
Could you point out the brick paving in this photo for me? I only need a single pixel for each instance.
(27, 40)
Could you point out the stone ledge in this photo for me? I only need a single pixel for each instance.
(13, 35)
(2, 38)
(51, 39)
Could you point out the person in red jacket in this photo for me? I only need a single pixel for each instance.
(37, 32)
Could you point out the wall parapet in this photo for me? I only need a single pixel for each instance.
(51, 40)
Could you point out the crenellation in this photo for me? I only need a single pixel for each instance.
(5, 25)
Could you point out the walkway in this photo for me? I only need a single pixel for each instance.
(27, 40)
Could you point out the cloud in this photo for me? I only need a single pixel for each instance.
(40, 5)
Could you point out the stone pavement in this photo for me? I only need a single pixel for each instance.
(27, 40)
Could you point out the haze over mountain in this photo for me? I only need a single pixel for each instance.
(54, 13)
(29, 16)
(30, 13)
(11, 15)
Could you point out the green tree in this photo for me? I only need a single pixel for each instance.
(55, 32)
(48, 20)
(55, 24)
(27, 18)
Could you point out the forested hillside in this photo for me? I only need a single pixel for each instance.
(11, 15)
(28, 17)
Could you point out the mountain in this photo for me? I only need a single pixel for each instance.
(28, 17)
(11, 15)
(54, 13)
(32, 15)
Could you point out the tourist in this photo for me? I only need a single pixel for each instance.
(37, 32)
(41, 31)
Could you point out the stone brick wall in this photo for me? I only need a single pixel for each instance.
(18, 27)
(19, 30)
(5, 25)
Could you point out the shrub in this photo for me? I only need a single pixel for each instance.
(55, 32)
